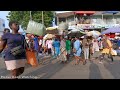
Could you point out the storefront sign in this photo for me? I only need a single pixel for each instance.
(96, 26)
(89, 26)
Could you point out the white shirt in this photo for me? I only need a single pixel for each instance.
(49, 43)
(40, 42)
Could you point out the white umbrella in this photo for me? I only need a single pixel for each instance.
(95, 34)
(88, 33)
(82, 37)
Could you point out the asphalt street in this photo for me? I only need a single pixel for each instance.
(54, 69)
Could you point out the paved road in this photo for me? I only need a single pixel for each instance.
(53, 69)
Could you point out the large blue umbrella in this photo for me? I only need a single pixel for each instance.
(112, 30)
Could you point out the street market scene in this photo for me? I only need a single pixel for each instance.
(60, 45)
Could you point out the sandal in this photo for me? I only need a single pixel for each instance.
(76, 63)
(84, 62)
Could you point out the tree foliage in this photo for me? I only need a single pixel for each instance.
(23, 17)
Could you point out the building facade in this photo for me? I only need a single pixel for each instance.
(94, 18)
(2, 26)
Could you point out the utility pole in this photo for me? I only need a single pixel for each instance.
(42, 18)
(30, 16)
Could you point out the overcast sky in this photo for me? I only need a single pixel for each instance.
(3, 15)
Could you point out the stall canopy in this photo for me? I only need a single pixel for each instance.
(85, 12)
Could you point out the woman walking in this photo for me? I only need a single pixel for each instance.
(49, 46)
(95, 49)
(85, 45)
(56, 45)
(95, 46)
(14, 63)
(77, 50)
(107, 49)
(68, 47)
(63, 57)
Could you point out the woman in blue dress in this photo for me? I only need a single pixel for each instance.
(13, 63)
(56, 45)
(77, 53)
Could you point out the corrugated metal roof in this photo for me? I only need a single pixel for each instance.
(84, 12)
(57, 12)
(102, 12)
(110, 12)
(98, 13)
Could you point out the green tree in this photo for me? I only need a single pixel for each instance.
(23, 17)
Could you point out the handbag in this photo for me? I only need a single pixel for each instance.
(19, 49)
(31, 58)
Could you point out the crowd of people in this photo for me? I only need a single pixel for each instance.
(62, 48)
(83, 49)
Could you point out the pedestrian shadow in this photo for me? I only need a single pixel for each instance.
(46, 60)
(94, 71)
(42, 61)
(48, 70)
(113, 69)
(27, 66)
(4, 72)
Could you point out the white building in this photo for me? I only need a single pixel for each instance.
(2, 26)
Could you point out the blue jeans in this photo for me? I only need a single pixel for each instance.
(57, 51)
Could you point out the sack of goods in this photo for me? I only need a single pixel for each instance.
(36, 28)
(63, 26)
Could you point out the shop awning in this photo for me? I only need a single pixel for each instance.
(84, 12)
(64, 14)
(111, 12)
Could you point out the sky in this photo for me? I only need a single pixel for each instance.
(3, 15)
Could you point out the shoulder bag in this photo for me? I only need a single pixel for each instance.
(19, 49)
